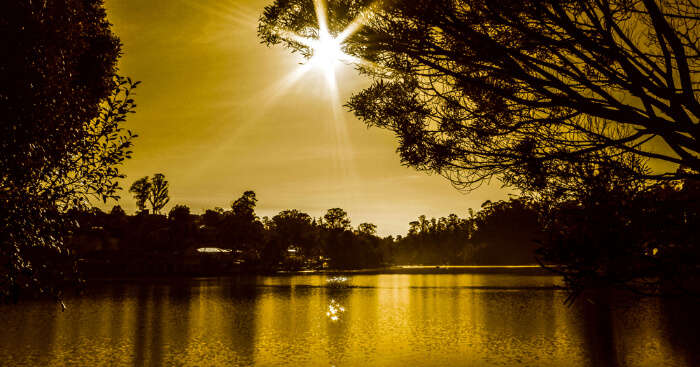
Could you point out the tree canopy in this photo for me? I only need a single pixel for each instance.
(152, 190)
(522, 90)
(336, 219)
(141, 189)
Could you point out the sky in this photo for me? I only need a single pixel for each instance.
(220, 113)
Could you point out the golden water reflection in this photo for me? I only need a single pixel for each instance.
(334, 310)
(378, 320)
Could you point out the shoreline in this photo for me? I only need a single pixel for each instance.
(523, 270)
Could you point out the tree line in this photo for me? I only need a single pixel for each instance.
(640, 240)
(499, 233)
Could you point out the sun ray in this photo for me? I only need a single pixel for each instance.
(325, 54)
(321, 15)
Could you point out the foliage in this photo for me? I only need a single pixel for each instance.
(159, 193)
(242, 229)
(521, 90)
(336, 219)
(62, 107)
(154, 190)
(506, 232)
(141, 189)
(642, 240)
(368, 229)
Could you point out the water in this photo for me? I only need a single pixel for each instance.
(376, 320)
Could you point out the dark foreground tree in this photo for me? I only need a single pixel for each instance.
(61, 140)
(644, 239)
(521, 90)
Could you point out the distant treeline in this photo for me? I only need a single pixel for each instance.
(236, 239)
(644, 238)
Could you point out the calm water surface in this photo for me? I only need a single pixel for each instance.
(379, 320)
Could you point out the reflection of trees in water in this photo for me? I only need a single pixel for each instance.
(598, 331)
(178, 311)
(116, 308)
(34, 329)
(161, 319)
(682, 326)
(239, 296)
(518, 323)
(140, 328)
(620, 329)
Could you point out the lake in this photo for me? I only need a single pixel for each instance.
(369, 320)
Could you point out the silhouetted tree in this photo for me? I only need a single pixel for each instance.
(159, 193)
(154, 190)
(446, 240)
(612, 235)
(179, 212)
(290, 228)
(519, 89)
(61, 141)
(245, 205)
(141, 189)
(507, 232)
(241, 228)
(367, 229)
(336, 219)
(182, 227)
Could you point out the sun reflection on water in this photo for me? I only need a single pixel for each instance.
(334, 310)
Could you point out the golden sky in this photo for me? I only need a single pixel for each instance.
(218, 113)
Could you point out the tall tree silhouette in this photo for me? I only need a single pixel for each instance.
(159, 193)
(242, 229)
(61, 139)
(141, 189)
(520, 89)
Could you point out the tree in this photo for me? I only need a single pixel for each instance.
(141, 189)
(61, 140)
(368, 229)
(242, 229)
(524, 90)
(154, 190)
(290, 228)
(611, 235)
(245, 205)
(159, 193)
(336, 219)
(179, 213)
(507, 232)
(182, 228)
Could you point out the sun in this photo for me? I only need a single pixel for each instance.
(327, 53)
